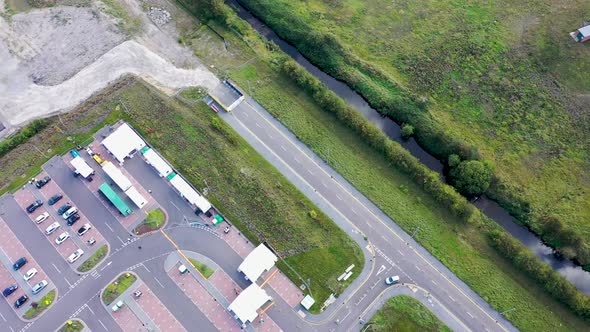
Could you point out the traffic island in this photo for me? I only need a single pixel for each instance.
(94, 260)
(73, 325)
(117, 287)
(39, 307)
(155, 220)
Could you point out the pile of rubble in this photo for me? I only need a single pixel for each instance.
(159, 16)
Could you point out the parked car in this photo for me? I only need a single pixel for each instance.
(19, 263)
(64, 208)
(62, 238)
(89, 151)
(392, 280)
(31, 208)
(21, 300)
(91, 242)
(41, 218)
(84, 229)
(118, 306)
(75, 255)
(74, 153)
(69, 212)
(72, 219)
(39, 184)
(51, 228)
(9, 290)
(30, 274)
(54, 199)
(39, 286)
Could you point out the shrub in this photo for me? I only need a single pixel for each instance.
(407, 131)
(472, 177)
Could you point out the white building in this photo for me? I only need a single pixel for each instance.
(157, 162)
(245, 306)
(116, 175)
(190, 194)
(123, 142)
(81, 167)
(259, 260)
(136, 197)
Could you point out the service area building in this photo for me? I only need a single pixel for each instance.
(136, 197)
(154, 159)
(259, 260)
(81, 167)
(245, 306)
(116, 175)
(187, 192)
(123, 142)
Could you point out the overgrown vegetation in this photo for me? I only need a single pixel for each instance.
(263, 204)
(193, 93)
(11, 142)
(96, 258)
(38, 307)
(202, 267)
(403, 313)
(129, 23)
(464, 248)
(480, 83)
(117, 287)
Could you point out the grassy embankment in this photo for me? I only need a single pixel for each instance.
(502, 81)
(73, 325)
(403, 313)
(202, 267)
(96, 258)
(117, 287)
(461, 247)
(40, 306)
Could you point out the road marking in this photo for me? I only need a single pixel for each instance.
(158, 281)
(1, 315)
(470, 315)
(145, 267)
(297, 160)
(283, 148)
(258, 125)
(310, 171)
(11, 328)
(434, 282)
(109, 227)
(400, 252)
(417, 268)
(68, 283)
(452, 299)
(123, 242)
(107, 265)
(177, 208)
(381, 269)
(101, 323)
(323, 183)
(338, 196)
(92, 311)
(58, 271)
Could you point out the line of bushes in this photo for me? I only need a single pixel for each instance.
(553, 283)
(389, 98)
(22, 136)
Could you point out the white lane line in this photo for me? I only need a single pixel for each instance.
(109, 227)
(68, 283)
(417, 268)
(145, 267)
(323, 183)
(101, 323)
(123, 242)
(158, 281)
(283, 148)
(400, 252)
(11, 329)
(177, 208)
(434, 282)
(245, 114)
(92, 311)
(310, 171)
(1, 315)
(354, 211)
(452, 299)
(338, 196)
(258, 125)
(297, 160)
(470, 315)
(58, 271)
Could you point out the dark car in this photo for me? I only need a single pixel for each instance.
(54, 199)
(19, 263)
(64, 208)
(9, 290)
(42, 182)
(31, 208)
(21, 300)
(72, 219)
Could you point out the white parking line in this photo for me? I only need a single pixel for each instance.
(1, 315)
(101, 323)
(158, 281)
(58, 271)
(109, 227)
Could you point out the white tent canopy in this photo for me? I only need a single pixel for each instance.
(259, 260)
(123, 142)
(157, 162)
(190, 194)
(136, 197)
(81, 166)
(248, 302)
(116, 175)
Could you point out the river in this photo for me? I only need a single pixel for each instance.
(574, 273)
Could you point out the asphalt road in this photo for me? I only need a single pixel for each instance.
(325, 187)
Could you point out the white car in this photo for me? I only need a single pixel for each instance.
(392, 280)
(39, 287)
(74, 256)
(30, 274)
(84, 229)
(41, 218)
(118, 306)
(52, 228)
(62, 237)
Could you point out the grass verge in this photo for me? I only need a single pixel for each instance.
(203, 268)
(404, 313)
(96, 258)
(73, 325)
(117, 287)
(38, 307)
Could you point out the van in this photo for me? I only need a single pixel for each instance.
(69, 212)
(39, 286)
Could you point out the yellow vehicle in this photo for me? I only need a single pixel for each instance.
(97, 159)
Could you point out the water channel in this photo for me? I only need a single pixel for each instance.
(574, 273)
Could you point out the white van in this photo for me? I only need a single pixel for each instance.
(69, 212)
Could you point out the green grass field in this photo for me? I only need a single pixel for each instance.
(202, 267)
(96, 258)
(155, 218)
(503, 75)
(117, 287)
(404, 314)
(462, 248)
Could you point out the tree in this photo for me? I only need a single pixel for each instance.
(454, 160)
(407, 131)
(472, 177)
